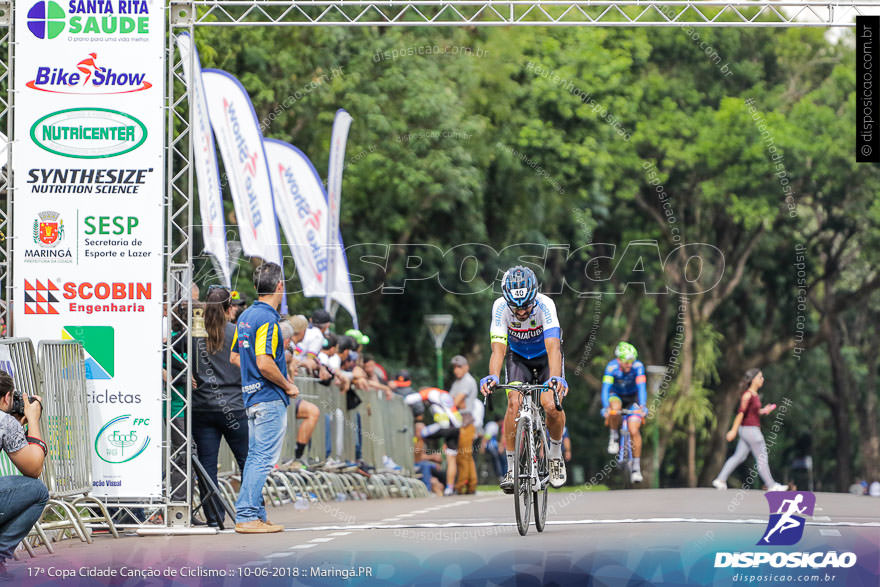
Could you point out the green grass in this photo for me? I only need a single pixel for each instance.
(566, 489)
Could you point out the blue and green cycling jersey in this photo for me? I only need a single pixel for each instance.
(625, 385)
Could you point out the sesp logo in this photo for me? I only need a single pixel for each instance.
(46, 19)
(787, 511)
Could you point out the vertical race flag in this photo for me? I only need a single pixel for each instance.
(88, 163)
(241, 146)
(301, 205)
(338, 139)
(205, 160)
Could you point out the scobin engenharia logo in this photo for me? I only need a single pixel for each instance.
(785, 527)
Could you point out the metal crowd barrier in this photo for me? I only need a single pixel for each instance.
(60, 380)
(375, 429)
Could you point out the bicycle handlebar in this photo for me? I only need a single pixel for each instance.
(623, 412)
(524, 389)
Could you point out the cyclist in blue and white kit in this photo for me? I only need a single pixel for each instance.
(525, 323)
(623, 387)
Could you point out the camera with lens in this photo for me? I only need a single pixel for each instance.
(18, 399)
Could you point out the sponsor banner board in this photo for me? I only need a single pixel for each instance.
(88, 165)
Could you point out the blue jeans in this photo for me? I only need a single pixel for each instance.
(267, 423)
(22, 500)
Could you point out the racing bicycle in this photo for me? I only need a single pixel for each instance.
(625, 452)
(531, 465)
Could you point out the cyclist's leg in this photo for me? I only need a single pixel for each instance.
(634, 424)
(555, 419)
(515, 369)
(612, 421)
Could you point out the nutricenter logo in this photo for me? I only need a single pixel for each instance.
(89, 78)
(88, 133)
(47, 19)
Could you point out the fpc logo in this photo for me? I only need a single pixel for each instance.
(787, 511)
(46, 19)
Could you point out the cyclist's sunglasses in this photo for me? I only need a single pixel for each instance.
(527, 308)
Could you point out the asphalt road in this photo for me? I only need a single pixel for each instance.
(614, 538)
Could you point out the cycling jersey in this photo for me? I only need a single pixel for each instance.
(442, 406)
(526, 337)
(625, 385)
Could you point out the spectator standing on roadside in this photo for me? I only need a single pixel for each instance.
(494, 447)
(238, 306)
(218, 408)
(303, 409)
(294, 352)
(313, 342)
(266, 391)
(464, 393)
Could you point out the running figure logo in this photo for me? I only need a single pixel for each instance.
(787, 511)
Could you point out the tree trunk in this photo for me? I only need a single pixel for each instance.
(692, 453)
(869, 436)
(840, 408)
(685, 378)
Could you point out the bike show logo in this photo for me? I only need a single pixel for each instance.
(89, 78)
(48, 233)
(785, 527)
(122, 439)
(47, 20)
(45, 297)
(88, 133)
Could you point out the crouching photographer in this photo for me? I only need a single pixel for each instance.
(22, 498)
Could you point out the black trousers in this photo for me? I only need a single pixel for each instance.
(208, 428)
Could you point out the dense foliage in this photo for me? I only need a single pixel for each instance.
(596, 154)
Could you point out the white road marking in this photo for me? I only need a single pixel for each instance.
(405, 515)
(829, 532)
(339, 533)
(302, 546)
(279, 554)
(757, 521)
(420, 511)
(822, 518)
(319, 540)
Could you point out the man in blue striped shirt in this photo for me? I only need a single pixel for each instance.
(258, 349)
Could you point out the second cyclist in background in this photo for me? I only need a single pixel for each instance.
(526, 337)
(623, 387)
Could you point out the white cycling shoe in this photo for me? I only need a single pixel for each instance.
(636, 477)
(507, 482)
(558, 475)
(779, 487)
(719, 484)
(613, 447)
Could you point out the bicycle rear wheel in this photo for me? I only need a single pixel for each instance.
(540, 494)
(522, 486)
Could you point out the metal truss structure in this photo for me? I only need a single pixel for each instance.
(629, 13)
(186, 16)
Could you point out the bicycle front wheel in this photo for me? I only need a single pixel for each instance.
(522, 471)
(540, 494)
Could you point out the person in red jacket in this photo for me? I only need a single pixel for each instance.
(748, 424)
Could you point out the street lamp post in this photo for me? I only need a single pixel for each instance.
(438, 325)
(656, 372)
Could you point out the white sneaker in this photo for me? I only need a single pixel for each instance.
(558, 475)
(637, 477)
(613, 446)
(448, 491)
(719, 484)
(779, 487)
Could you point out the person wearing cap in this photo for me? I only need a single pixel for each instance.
(237, 305)
(464, 393)
(313, 342)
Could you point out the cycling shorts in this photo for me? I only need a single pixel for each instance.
(628, 402)
(450, 435)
